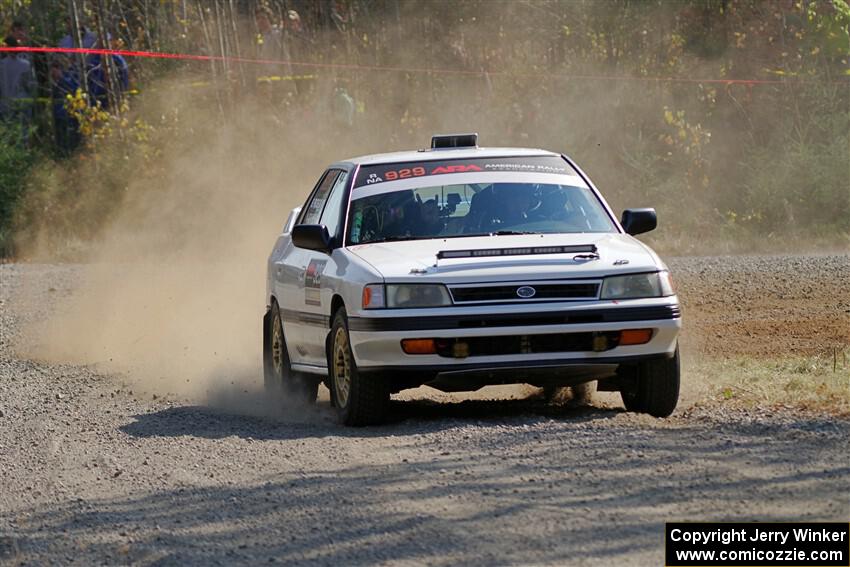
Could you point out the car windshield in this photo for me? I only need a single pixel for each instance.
(444, 211)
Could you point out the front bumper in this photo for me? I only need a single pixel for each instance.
(376, 340)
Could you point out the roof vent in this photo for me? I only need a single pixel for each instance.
(448, 141)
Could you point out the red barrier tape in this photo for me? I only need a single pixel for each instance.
(394, 69)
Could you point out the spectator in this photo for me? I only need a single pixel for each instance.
(19, 32)
(70, 39)
(16, 89)
(98, 83)
(293, 22)
(275, 76)
(268, 37)
(65, 125)
(295, 38)
(268, 44)
(341, 15)
(38, 61)
(343, 107)
(98, 76)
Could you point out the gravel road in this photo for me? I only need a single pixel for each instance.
(93, 472)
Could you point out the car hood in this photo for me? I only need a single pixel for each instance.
(416, 260)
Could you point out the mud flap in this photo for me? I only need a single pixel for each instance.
(609, 385)
(624, 381)
(267, 333)
(327, 379)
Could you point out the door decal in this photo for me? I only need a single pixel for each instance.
(313, 282)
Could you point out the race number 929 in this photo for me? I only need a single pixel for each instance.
(404, 173)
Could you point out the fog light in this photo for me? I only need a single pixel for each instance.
(460, 350)
(635, 337)
(600, 343)
(418, 346)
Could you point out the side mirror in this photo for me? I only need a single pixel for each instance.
(311, 237)
(638, 221)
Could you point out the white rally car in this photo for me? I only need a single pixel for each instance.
(459, 267)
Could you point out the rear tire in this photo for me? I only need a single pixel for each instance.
(359, 400)
(281, 382)
(656, 387)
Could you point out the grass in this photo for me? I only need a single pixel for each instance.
(818, 383)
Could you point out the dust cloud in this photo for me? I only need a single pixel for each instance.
(171, 294)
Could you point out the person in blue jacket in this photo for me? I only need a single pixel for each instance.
(66, 128)
(98, 87)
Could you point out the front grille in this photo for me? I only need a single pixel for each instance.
(527, 344)
(542, 291)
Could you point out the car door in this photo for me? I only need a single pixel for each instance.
(308, 303)
(291, 269)
(322, 276)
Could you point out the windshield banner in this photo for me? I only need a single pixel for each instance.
(375, 174)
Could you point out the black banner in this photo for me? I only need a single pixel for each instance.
(804, 544)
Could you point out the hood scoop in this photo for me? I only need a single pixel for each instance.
(583, 252)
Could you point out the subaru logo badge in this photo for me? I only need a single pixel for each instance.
(526, 292)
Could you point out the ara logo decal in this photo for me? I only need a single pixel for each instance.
(455, 169)
(313, 282)
(373, 178)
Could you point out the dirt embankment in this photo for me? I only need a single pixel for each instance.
(765, 306)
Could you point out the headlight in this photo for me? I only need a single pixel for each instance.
(417, 295)
(405, 295)
(635, 286)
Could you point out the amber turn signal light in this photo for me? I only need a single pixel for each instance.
(635, 337)
(419, 346)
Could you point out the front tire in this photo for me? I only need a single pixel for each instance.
(281, 382)
(359, 400)
(656, 387)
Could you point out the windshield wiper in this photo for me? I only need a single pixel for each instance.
(392, 239)
(461, 235)
(492, 233)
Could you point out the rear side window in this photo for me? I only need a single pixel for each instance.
(314, 208)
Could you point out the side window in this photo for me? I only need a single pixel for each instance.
(320, 196)
(333, 209)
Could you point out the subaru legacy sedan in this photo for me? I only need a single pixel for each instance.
(458, 267)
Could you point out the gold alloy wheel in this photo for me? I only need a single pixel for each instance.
(277, 346)
(342, 366)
